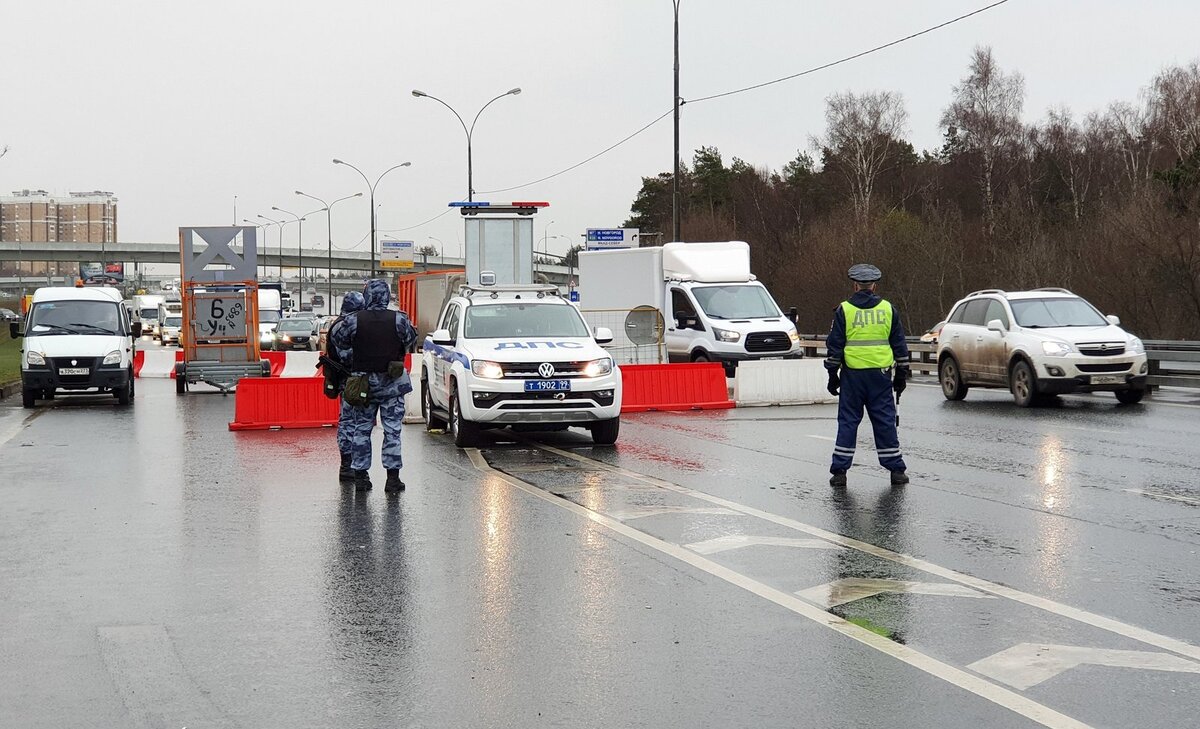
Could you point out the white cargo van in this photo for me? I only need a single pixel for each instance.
(270, 311)
(713, 308)
(145, 311)
(78, 341)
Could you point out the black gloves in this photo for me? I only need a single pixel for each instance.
(835, 383)
(900, 378)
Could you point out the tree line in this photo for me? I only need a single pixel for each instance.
(1106, 205)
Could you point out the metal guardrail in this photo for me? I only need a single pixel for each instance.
(1172, 363)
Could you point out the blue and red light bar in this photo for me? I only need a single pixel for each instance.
(477, 204)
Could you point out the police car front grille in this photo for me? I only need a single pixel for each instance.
(768, 342)
(540, 400)
(529, 370)
(1102, 349)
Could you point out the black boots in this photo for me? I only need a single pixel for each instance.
(362, 481)
(838, 480)
(394, 484)
(345, 472)
(899, 478)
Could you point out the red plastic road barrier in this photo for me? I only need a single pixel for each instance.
(262, 403)
(139, 360)
(277, 359)
(684, 386)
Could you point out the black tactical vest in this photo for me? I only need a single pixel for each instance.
(376, 342)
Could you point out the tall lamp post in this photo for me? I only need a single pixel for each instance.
(329, 226)
(470, 131)
(675, 183)
(441, 249)
(264, 226)
(299, 249)
(280, 223)
(372, 189)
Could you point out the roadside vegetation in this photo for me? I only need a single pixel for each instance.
(10, 365)
(1105, 203)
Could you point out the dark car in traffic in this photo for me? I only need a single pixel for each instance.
(294, 333)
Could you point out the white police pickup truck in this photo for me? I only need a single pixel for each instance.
(518, 356)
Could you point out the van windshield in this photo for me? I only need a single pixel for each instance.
(268, 315)
(498, 321)
(737, 301)
(1056, 312)
(175, 321)
(149, 313)
(74, 317)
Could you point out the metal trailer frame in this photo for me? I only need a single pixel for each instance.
(220, 359)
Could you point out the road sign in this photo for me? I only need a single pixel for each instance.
(599, 239)
(396, 253)
(217, 254)
(219, 315)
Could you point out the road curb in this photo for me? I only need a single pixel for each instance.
(10, 389)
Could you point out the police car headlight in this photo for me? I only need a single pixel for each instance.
(35, 358)
(725, 335)
(112, 358)
(487, 370)
(1137, 346)
(598, 368)
(1055, 349)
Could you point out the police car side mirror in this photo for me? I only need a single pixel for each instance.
(995, 325)
(1114, 320)
(442, 338)
(14, 330)
(604, 335)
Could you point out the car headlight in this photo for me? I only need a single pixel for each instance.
(794, 336)
(35, 358)
(598, 367)
(1056, 349)
(1137, 346)
(112, 358)
(487, 370)
(725, 335)
(286, 338)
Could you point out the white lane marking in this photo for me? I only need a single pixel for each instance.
(824, 437)
(1163, 495)
(152, 681)
(850, 589)
(601, 487)
(983, 688)
(641, 512)
(1027, 664)
(738, 541)
(1066, 611)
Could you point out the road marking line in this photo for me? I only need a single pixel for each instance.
(840, 592)
(1027, 664)
(152, 681)
(1163, 495)
(1071, 613)
(600, 486)
(983, 688)
(738, 541)
(641, 512)
(824, 437)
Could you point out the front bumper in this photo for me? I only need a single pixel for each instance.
(102, 378)
(1089, 374)
(505, 402)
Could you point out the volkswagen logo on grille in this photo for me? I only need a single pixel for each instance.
(546, 369)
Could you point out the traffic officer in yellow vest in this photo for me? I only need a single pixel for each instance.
(866, 342)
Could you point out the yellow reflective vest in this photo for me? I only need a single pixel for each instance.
(867, 332)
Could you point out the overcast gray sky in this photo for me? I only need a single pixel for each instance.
(177, 107)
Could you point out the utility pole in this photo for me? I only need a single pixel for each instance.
(675, 185)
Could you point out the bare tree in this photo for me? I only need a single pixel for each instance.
(985, 116)
(1175, 107)
(1127, 125)
(862, 131)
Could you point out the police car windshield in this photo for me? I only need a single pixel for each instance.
(1056, 312)
(74, 317)
(519, 319)
(741, 301)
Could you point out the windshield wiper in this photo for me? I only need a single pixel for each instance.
(91, 326)
(58, 329)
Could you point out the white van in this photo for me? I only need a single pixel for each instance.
(78, 341)
(145, 311)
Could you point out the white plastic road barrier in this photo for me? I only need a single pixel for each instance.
(412, 402)
(781, 382)
(299, 364)
(157, 363)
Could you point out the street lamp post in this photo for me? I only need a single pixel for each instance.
(264, 226)
(299, 249)
(280, 223)
(372, 189)
(329, 226)
(470, 132)
(441, 249)
(675, 183)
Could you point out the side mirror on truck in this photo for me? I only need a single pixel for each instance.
(14, 330)
(136, 329)
(604, 335)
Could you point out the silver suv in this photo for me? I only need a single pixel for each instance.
(1037, 343)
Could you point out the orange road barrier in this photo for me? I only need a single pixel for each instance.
(277, 402)
(684, 386)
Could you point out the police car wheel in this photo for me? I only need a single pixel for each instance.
(951, 378)
(465, 432)
(432, 422)
(605, 432)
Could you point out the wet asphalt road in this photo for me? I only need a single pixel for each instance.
(160, 571)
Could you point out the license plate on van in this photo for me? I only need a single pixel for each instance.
(74, 371)
(547, 385)
(1107, 380)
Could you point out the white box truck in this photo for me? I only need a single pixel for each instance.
(270, 311)
(145, 311)
(713, 309)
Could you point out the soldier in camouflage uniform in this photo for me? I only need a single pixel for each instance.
(351, 303)
(375, 340)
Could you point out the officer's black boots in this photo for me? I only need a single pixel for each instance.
(838, 480)
(345, 472)
(394, 484)
(362, 481)
(899, 478)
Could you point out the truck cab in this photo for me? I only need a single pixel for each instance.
(518, 356)
(78, 341)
